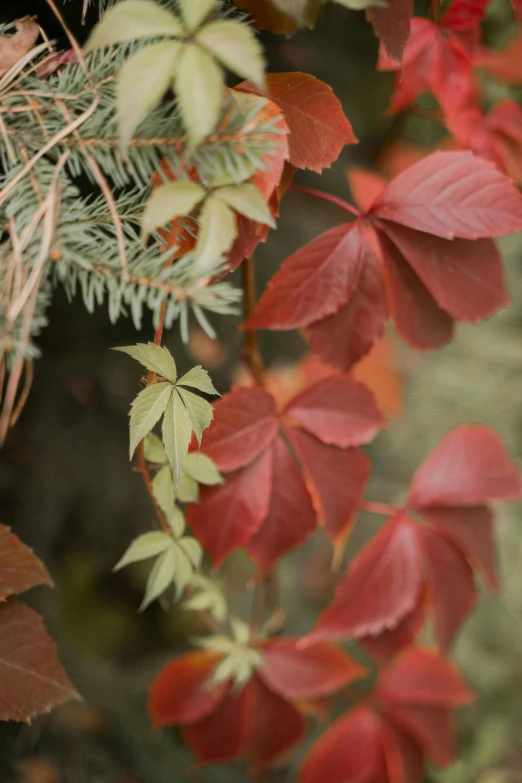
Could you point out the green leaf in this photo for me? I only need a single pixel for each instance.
(155, 358)
(161, 576)
(176, 431)
(199, 410)
(361, 5)
(153, 450)
(194, 12)
(304, 12)
(202, 469)
(193, 551)
(133, 19)
(176, 520)
(207, 597)
(163, 488)
(247, 200)
(147, 410)
(236, 46)
(187, 490)
(239, 666)
(198, 83)
(199, 379)
(143, 547)
(168, 202)
(217, 232)
(142, 83)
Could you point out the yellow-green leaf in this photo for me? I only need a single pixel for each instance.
(247, 200)
(207, 597)
(193, 551)
(168, 202)
(142, 83)
(217, 232)
(199, 410)
(133, 19)
(161, 576)
(202, 469)
(153, 450)
(198, 84)
(176, 432)
(199, 379)
(145, 546)
(176, 520)
(147, 410)
(194, 12)
(187, 490)
(163, 488)
(236, 46)
(155, 358)
(361, 5)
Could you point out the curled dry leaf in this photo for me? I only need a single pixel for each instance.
(13, 47)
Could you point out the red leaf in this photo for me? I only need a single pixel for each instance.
(465, 278)
(471, 530)
(365, 186)
(337, 410)
(504, 65)
(255, 723)
(404, 760)
(388, 643)
(350, 751)
(265, 17)
(249, 235)
(314, 281)
(431, 728)
(181, 693)
(228, 515)
(392, 25)
(434, 61)
(345, 337)
(451, 587)
(381, 588)
(335, 478)
(32, 680)
(468, 468)
(517, 7)
(302, 675)
(20, 569)
(318, 127)
(464, 15)
(452, 194)
(423, 678)
(244, 425)
(416, 315)
(291, 516)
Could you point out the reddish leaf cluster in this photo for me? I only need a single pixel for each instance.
(260, 721)
(32, 680)
(270, 501)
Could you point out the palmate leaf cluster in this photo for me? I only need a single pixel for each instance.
(59, 130)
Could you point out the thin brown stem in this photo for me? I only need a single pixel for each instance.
(327, 197)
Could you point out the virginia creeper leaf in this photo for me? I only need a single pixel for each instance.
(176, 432)
(132, 19)
(147, 409)
(199, 411)
(163, 488)
(218, 229)
(202, 469)
(198, 378)
(153, 449)
(193, 14)
(392, 25)
(145, 546)
(236, 47)
(198, 83)
(248, 201)
(155, 358)
(20, 569)
(170, 201)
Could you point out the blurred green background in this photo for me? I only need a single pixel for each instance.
(67, 489)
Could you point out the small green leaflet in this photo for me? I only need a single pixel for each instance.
(236, 47)
(194, 12)
(217, 232)
(361, 5)
(155, 358)
(147, 409)
(187, 490)
(207, 596)
(199, 411)
(239, 661)
(170, 201)
(198, 83)
(163, 488)
(133, 19)
(247, 200)
(202, 469)
(199, 379)
(153, 450)
(176, 431)
(145, 546)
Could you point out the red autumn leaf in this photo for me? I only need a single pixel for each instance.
(291, 516)
(452, 194)
(517, 7)
(416, 315)
(470, 529)
(32, 680)
(346, 336)
(337, 410)
(404, 759)
(392, 25)
(181, 692)
(469, 467)
(336, 479)
(496, 136)
(435, 61)
(450, 583)
(380, 371)
(265, 16)
(228, 515)
(350, 750)
(20, 569)
(314, 281)
(464, 15)
(388, 643)
(382, 587)
(303, 675)
(505, 65)
(464, 278)
(365, 186)
(317, 124)
(244, 425)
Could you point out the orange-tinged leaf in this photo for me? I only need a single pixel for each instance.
(20, 569)
(365, 186)
(392, 25)
(379, 370)
(265, 16)
(32, 680)
(181, 692)
(505, 65)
